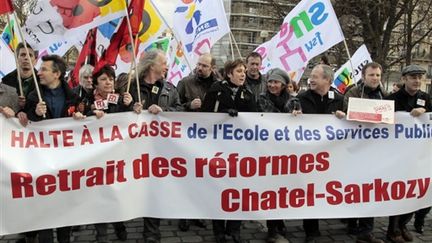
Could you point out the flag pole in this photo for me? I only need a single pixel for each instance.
(31, 64)
(236, 45)
(136, 76)
(350, 61)
(21, 91)
(174, 35)
(134, 63)
(232, 47)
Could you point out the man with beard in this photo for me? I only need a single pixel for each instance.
(193, 88)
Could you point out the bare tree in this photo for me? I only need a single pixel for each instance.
(391, 29)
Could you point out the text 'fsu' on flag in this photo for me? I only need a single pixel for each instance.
(308, 30)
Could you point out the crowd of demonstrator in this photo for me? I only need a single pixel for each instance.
(239, 87)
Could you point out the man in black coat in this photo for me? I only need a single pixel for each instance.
(410, 99)
(320, 98)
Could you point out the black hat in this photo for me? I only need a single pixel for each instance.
(413, 69)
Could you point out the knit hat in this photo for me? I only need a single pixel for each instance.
(278, 75)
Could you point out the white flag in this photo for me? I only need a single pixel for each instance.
(307, 31)
(199, 24)
(7, 59)
(178, 67)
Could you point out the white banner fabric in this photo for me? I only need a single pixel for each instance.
(211, 166)
(199, 24)
(308, 30)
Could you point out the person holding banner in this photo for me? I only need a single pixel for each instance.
(255, 81)
(156, 93)
(277, 99)
(369, 88)
(104, 100)
(230, 96)
(192, 90)
(157, 96)
(59, 101)
(410, 99)
(320, 98)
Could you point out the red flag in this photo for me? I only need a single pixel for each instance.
(87, 55)
(120, 41)
(6, 7)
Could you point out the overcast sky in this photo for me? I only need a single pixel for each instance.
(166, 7)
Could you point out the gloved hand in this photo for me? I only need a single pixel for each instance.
(232, 112)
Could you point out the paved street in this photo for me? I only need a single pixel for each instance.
(252, 232)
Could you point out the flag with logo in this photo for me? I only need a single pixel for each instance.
(346, 76)
(10, 33)
(308, 30)
(199, 24)
(55, 20)
(178, 67)
(266, 65)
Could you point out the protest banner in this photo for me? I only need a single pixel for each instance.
(210, 166)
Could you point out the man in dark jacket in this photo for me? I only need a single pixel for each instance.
(369, 88)
(320, 98)
(410, 99)
(156, 93)
(58, 101)
(193, 88)
(157, 96)
(255, 81)
(229, 96)
(25, 71)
